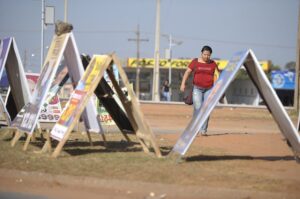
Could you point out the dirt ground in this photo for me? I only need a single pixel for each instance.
(243, 156)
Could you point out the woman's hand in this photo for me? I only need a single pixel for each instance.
(182, 87)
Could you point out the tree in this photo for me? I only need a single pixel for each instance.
(290, 66)
(272, 67)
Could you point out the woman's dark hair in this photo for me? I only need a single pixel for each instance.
(206, 48)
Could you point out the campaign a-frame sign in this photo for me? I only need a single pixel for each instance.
(19, 93)
(84, 90)
(264, 87)
(63, 45)
(109, 99)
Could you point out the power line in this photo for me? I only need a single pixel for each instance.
(177, 36)
(236, 42)
(103, 31)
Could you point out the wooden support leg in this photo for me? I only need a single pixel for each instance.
(104, 139)
(58, 148)
(17, 136)
(38, 129)
(145, 148)
(126, 137)
(90, 138)
(27, 141)
(156, 149)
(47, 146)
(42, 135)
(33, 137)
(149, 142)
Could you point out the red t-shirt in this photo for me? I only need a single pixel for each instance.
(203, 73)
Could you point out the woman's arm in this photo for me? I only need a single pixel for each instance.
(184, 78)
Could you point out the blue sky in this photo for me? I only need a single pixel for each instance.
(269, 27)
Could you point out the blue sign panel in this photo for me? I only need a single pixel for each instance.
(283, 79)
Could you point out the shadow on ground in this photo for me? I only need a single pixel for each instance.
(236, 157)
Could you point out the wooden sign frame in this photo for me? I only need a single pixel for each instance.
(61, 132)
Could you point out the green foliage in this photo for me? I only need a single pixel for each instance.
(290, 65)
(242, 74)
(272, 67)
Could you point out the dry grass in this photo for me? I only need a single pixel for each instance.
(126, 161)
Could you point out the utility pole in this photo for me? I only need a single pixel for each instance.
(297, 82)
(155, 89)
(42, 33)
(25, 59)
(172, 43)
(66, 11)
(138, 67)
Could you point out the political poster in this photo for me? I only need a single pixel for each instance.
(28, 116)
(76, 71)
(79, 97)
(104, 116)
(51, 109)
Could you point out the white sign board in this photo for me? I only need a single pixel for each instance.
(63, 45)
(248, 59)
(19, 91)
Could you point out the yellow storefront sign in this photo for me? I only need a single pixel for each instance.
(180, 63)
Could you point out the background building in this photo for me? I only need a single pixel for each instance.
(241, 90)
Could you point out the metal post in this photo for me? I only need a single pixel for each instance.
(297, 82)
(42, 33)
(155, 89)
(170, 59)
(66, 11)
(138, 69)
(172, 42)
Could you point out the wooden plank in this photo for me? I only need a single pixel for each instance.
(90, 138)
(29, 136)
(133, 110)
(17, 136)
(47, 145)
(104, 139)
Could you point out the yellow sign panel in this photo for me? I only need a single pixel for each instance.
(92, 72)
(180, 63)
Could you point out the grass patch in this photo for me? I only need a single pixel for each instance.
(122, 160)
